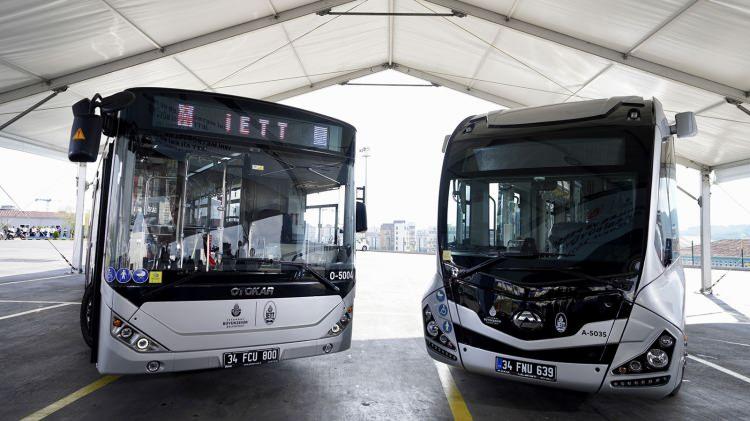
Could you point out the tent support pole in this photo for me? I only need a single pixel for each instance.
(78, 231)
(705, 204)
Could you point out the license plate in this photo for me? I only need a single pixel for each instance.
(526, 369)
(255, 357)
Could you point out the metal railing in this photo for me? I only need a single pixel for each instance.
(718, 262)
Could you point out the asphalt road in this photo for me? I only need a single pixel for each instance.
(385, 375)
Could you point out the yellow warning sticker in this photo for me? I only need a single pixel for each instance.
(79, 135)
(258, 167)
(154, 277)
(447, 255)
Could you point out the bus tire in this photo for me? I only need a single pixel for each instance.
(364, 248)
(87, 306)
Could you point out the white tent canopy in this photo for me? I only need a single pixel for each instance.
(691, 54)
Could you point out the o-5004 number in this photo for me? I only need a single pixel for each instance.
(341, 275)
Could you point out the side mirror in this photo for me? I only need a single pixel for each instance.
(361, 217)
(85, 133)
(684, 125)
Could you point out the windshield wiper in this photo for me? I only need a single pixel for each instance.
(306, 268)
(191, 276)
(572, 270)
(462, 273)
(187, 278)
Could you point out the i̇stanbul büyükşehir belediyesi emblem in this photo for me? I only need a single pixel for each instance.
(561, 322)
(269, 313)
(236, 310)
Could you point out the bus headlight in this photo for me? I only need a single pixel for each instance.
(142, 344)
(666, 341)
(126, 332)
(657, 358)
(342, 323)
(132, 337)
(654, 360)
(434, 333)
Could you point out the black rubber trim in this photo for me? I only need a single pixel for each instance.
(597, 354)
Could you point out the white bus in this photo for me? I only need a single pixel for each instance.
(558, 243)
(223, 231)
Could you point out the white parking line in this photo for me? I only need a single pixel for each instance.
(728, 342)
(38, 302)
(36, 310)
(720, 368)
(37, 279)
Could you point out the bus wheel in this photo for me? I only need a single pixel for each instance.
(87, 307)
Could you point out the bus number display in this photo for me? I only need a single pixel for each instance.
(172, 113)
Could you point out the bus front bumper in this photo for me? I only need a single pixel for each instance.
(117, 358)
(588, 378)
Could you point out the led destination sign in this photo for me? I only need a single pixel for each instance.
(177, 114)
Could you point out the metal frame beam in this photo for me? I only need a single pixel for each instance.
(505, 102)
(19, 69)
(25, 144)
(513, 9)
(168, 50)
(661, 26)
(597, 50)
(336, 80)
(130, 23)
(733, 164)
(686, 162)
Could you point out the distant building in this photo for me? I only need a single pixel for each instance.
(373, 239)
(386, 237)
(404, 236)
(427, 240)
(12, 217)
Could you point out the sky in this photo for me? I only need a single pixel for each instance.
(404, 128)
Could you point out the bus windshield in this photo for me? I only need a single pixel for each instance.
(188, 204)
(552, 206)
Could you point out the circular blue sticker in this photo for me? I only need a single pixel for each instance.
(443, 310)
(140, 275)
(123, 276)
(440, 295)
(110, 275)
(447, 327)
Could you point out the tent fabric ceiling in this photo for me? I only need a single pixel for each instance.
(278, 48)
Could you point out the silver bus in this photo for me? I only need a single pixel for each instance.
(222, 234)
(558, 248)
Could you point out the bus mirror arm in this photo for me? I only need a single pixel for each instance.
(361, 217)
